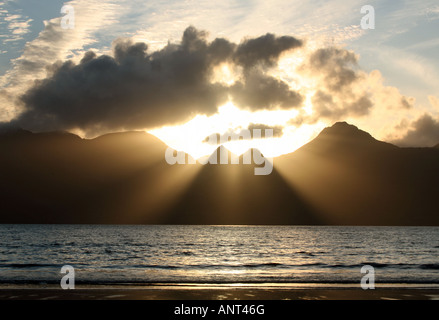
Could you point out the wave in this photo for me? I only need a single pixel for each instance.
(429, 266)
(316, 283)
(29, 265)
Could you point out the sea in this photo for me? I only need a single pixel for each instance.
(206, 255)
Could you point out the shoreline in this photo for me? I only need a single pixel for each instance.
(217, 292)
(222, 285)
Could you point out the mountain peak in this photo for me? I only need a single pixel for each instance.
(252, 155)
(345, 129)
(345, 136)
(220, 153)
(343, 124)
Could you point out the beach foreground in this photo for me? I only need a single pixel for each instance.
(216, 293)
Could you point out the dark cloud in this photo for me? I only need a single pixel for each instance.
(131, 90)
(264, 50)
(423, 132)
(135, 89)
(239, 133)
(337, 67)
(259, 91)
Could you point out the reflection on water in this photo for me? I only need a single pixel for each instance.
(218, 254)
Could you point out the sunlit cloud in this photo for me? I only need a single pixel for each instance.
(372, 78)
(52, 44)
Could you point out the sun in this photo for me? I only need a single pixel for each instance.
(190, 137)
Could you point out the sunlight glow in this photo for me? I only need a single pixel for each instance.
(189, 137)
(224, 74)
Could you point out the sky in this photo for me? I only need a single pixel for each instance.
(184, 70)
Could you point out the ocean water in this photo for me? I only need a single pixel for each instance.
(108, 254)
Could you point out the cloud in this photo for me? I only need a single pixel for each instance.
(277, 130)
(326, 107)
(421, 132)
(387, 96)
(434, 101)
(243, 133)
(259, 91)
(264, 50)
(336, 66)
(341, 89)
(54, 43)
(135, 89)
(17, 26)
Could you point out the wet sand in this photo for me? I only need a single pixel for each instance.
(215, 293)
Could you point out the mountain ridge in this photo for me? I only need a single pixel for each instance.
(343, 176)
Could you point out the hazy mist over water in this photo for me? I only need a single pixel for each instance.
(109, 254)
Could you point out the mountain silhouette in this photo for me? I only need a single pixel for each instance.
(353, 179)
(233, 194)
(60, 178)
(342, 177)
